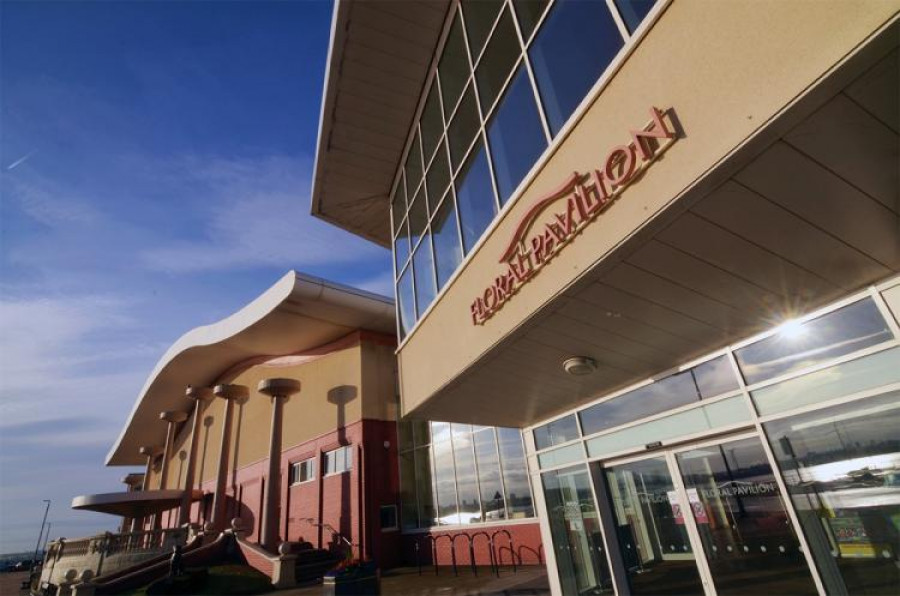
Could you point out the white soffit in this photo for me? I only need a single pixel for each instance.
(378, 61)
(298, 313)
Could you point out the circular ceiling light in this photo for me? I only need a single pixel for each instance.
(579, 366)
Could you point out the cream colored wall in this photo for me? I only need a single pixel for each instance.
(725, 68)
(359, 375)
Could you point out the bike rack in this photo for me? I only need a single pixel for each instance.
(512, 551)
(495, 569)
(471, 551)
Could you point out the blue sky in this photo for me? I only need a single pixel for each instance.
(155, 167)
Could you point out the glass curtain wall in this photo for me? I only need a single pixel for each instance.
(458, 474)
(509, 76)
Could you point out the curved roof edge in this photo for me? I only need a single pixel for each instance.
(298, 312)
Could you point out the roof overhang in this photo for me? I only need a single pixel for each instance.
(378, 62)
(133, 504)
(298, 313)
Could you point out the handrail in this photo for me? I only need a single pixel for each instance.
(334, 532)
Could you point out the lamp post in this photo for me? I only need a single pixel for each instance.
(40, 535)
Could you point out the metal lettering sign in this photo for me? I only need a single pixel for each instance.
(556, 219)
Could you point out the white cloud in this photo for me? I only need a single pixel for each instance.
(49, 205)
(257, 216)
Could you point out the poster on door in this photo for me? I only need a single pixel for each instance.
(697, 507)
(675, 504)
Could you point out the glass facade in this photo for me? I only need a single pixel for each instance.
(509, 76)
(457, 474)
(769, 468)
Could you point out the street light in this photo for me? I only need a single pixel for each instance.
(40, 535)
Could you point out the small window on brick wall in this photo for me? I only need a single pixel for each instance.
(339, 460)
(303, 471)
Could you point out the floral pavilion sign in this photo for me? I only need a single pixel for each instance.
(556, 219)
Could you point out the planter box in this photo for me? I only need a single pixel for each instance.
(363, 580)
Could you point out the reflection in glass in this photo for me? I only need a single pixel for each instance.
(407, 300)
(842, 470)
(418, 216)
(475, 197)
(516, 136)
(556, 432)
(413, 169)
(398, 204)
(744, 527)
(634, 11)
(440, 431)
(424, 270)
(421, 432)
(515, 473)
(577, 535)
(489, 475)
(715, 377)
(797, 346)
(453, 69)
(574, 46)
(463, 128)
(401, 245)
(650, 529)
(447, 245)
(432, 125)
(445, 483)
(499, 58)
(466, 479)
(424, 487)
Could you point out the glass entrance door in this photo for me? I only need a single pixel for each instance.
(750, 544)
(706, 519)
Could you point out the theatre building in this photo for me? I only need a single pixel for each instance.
(662, 239)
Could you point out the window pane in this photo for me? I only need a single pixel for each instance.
(466, 479)
(574, 46)
(408, 513)
(715, 377)
(404, 430)
(479, 15)
(413, 165)
(406, 302)
(401, 245)
(516, 135)
(424, 487)
(418, 216)
(634, 11)
(421, 432)
(556, 432)
(398, 204)
(840, 466)
(453, 69)
(843, 331)
(515, 473)
(459, 429)
(432, 125)
(489, 475)
(424, 270)
(447, 246)
(475, 197)
(438, 177)
(665, 394)
(463, 128)
(499, 58)
(445, 483)
(440, 431)
(529, 13)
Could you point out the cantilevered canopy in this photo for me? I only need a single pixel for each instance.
(298, 313)
(133, 504)
(378, 60)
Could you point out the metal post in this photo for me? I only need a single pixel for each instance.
(40, 535)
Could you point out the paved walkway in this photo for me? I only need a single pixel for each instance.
(406, 581)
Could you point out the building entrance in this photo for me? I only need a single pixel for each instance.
(708, 519)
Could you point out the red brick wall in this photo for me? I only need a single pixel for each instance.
(526, 545)
(256, 560)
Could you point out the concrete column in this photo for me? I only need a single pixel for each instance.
(200, 396)
(229, 393)
(280, 390)
(150, 452)
(171, 419)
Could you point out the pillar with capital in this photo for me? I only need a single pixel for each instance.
(280, 391)
(171, 419)
(230, 393)
(150, 452)
(200, 396)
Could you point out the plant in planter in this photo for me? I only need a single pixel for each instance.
(352, 577)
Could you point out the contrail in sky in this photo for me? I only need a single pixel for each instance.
(21, 160)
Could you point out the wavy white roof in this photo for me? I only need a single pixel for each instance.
(298, 313)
